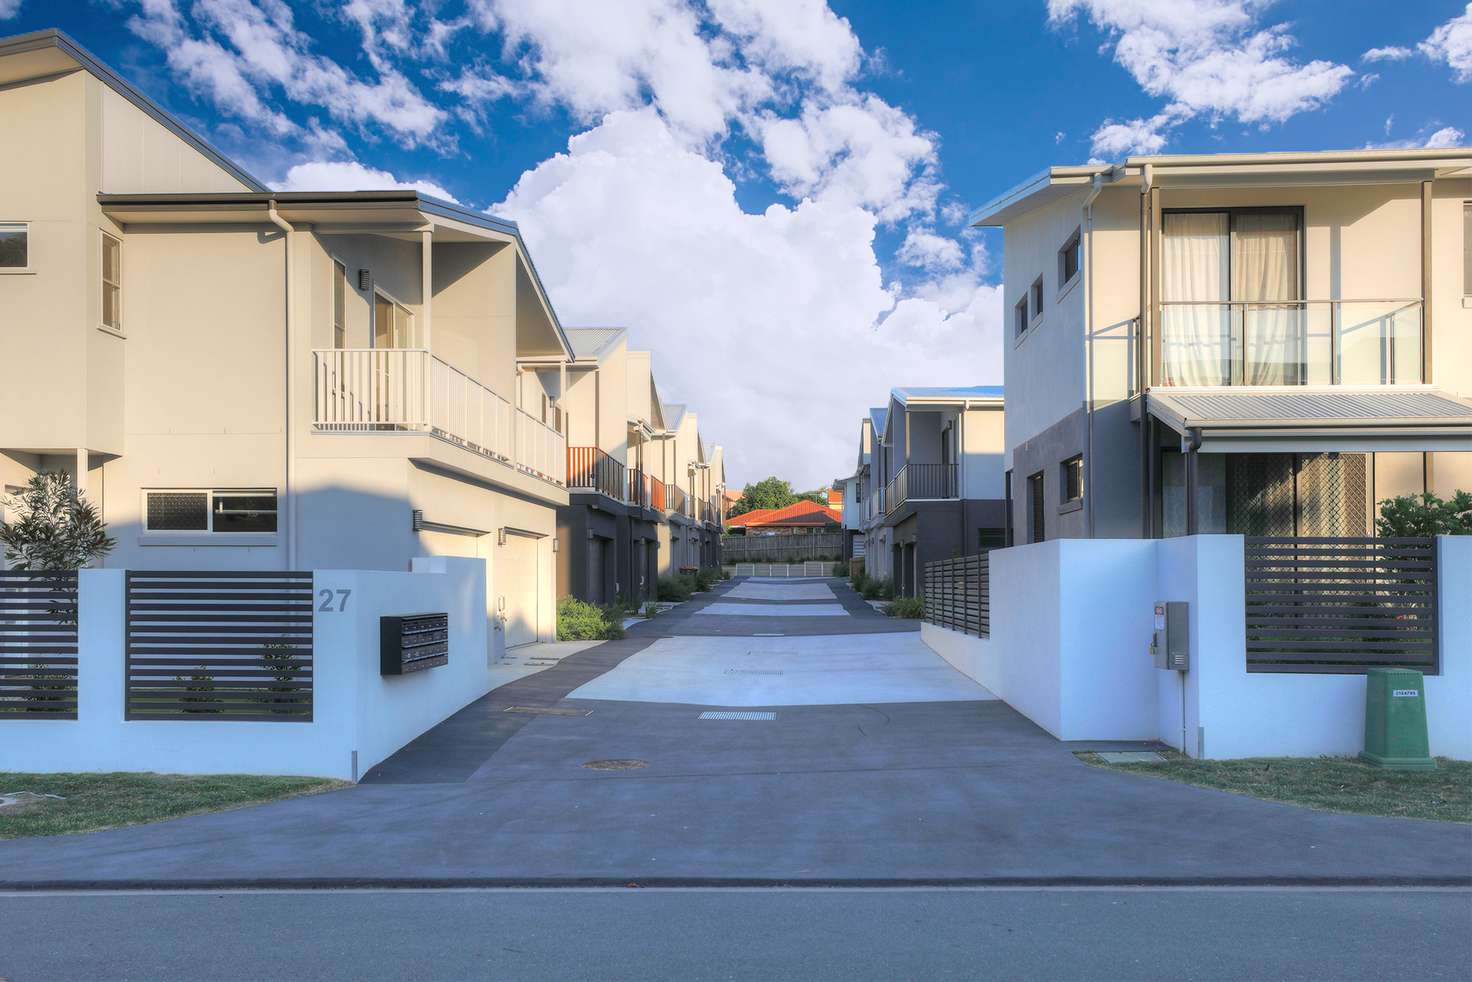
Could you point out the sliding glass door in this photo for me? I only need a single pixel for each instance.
(1231, 311)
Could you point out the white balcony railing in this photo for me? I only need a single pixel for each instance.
(375, 390)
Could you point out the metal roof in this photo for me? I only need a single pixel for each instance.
(941, 393)
(593, 342)
(878, 415)
(1344, 418)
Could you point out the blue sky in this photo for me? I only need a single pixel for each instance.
(771, 194)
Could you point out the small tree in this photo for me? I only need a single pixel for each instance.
(1425, 514)
(54, 529)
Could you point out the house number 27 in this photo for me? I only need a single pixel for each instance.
(333, 601)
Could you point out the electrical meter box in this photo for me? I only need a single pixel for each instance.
(1170, 645)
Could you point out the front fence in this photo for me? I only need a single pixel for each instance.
(215, 645)
(782, 569)
(1340, 605)
(958, 594)
(38, 644)
(791, 548)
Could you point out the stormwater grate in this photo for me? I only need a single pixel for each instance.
(546, 711)
(616, 764)
(753, 671)
(728, 714)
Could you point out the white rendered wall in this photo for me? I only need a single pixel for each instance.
(358, 716)
(1070, 631)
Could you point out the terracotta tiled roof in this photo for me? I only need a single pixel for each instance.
(801, 515)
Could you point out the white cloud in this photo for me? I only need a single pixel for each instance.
(9, 8)
(1452, 43)
(1134, 136)
(1447, 136)
(705, 283)
(802, 36)
(865, 153)
(349, 175)
(597, 58)
(246, 48)
(1209, 58)
(1389, 53)
(924, 249)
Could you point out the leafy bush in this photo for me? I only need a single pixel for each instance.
(859, 581)
(1425, 514)
(878, 589)
(650, 610)
(581, 621)
(840, 570)
(705, 578)
(675, 588)
(909, 607)
(52, 528)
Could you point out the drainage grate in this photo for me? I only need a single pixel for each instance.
(753, 671)
(616, 764)
(546, 711)
(727, 714)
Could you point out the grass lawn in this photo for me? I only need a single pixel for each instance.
(104, 801)
(1338, 784)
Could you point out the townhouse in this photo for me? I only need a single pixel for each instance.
(244, 379)
(624, 527)
(930, 469)
(1267, 344)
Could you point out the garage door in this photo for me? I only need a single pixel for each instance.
(519, 586)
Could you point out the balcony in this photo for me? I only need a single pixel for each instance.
(921, 482)
(1297, 342)
(385, 390)
(640, 489)
(590, 469)
(657, 495)
(676, 500)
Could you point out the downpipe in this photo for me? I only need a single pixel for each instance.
(289, 488)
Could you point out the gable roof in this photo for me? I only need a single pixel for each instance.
(878, 415)
(593, 342)
(802, 514)
(907, 394)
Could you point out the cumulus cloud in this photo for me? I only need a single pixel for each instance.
(9, 8)
(802, 36)
(1389, 53)
(924, 249)
(236, 50)
(349, 175)
(1452, 43)
(705, 282)
(1209, 58)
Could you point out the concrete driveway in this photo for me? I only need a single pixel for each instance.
(924, 787)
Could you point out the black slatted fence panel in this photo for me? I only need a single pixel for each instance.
(38, 645)
(216, 645)
(1340, 605)
(958, 594)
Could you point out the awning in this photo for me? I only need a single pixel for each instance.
(1345, 419)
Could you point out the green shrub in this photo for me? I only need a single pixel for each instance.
(705, 578)
(581, 621)
(650, 610)
(675, 588)
(859, 581)
(878, 589)
(1426, 514)
(909, 607)
(840, 570)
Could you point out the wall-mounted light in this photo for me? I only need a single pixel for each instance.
(554, 545)
(365, 280)
(501, 536)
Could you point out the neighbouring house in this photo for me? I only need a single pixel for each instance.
(1218, 366)
(852, 510)
(933, 479)
(1257, 343)
(246, 379)
(797, 518)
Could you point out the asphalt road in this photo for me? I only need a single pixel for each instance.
(1140, 933)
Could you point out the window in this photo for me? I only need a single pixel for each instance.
(210, 512)
(339, 305)
(1036, 530)
(1037, 298)
(112, 283)
(1007, 496)
(1019, 317)
(393, 325)
(15, 246)
(989, 539)
(1068, 260)
(1071, 479)
(1466, 248)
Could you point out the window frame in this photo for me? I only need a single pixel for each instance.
(1037, 507)
(339, 303)
(412, 323)
(1467, 253)
(1073, 242)
(1066, 501)
(209, 533)
(1020, 320)
(103, 284)
(25, 227)
(1037, 294)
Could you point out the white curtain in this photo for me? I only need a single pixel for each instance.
(1265, 269)
(1195, 337)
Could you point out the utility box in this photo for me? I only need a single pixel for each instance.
(1395, 720)
(412, 643)
(1170, 645)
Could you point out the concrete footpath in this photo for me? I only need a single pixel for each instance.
(845, 788)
